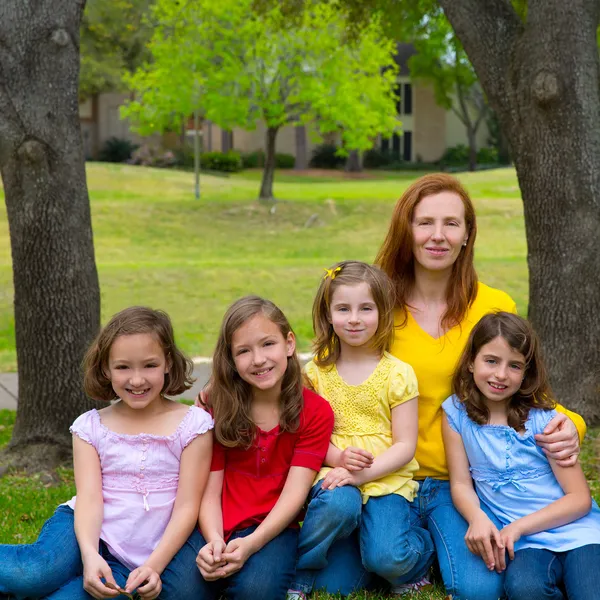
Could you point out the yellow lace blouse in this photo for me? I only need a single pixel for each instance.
(363, 417)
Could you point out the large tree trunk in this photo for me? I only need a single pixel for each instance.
(301, 162)
(57, 307)
(266, 186)
(542, 79)
(353, 162)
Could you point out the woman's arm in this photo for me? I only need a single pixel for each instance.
(288, 505)
(209, 559)
(576, 503)
(89, 512)
(193, 473)
(562, 437)
(481, 530)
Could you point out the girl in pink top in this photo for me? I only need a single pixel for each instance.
(141, 465)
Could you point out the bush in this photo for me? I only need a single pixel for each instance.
(116, 150)
(456, 156)
(228, 162)
(152, 156)
(325, 157)
(376, 159)
(284, 161)
(184, 156)
(256, 160)
(486, 156)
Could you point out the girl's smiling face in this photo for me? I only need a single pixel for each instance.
(260, 352)
(498, 370)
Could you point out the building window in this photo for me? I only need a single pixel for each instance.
(407, 146)
(385, 144)
(407, 99)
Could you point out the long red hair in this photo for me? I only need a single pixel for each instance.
(395, 257)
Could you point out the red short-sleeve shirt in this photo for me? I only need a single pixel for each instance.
(254, 478)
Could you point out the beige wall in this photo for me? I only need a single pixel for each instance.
(456, 133)
(429, 141)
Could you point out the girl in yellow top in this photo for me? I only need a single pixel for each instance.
(428, 254)
(368, 483)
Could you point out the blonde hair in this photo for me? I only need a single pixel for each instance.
(131, 321)
(230, 397)
(351, 272)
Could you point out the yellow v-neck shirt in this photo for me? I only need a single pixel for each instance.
(434, 361)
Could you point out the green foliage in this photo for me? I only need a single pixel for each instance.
(327, 156)
(487, 156)
(256, 160)
(116, 150)
(113, 39)
(284, 161)
(228, 162)
(376, 158)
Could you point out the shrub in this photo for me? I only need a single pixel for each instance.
(253, 160)
(116, 150)
(487, 156)
(184, 156)
(376, 158)
(456, 155)
(229, 162)
(284, 161)
(152, 156)
(324, 157)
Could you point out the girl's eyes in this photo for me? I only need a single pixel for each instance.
(516, 367)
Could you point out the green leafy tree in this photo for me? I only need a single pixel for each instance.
(241, 68)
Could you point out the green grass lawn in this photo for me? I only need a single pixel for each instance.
(157, 245)
(27, 501)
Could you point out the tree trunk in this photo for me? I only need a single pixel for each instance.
(542, 79)
(471, 137)
(57, 300)
(353, 162)
(301, 148)
(226, 138)
(266, 186)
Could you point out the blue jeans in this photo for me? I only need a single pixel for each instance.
(546, 575)
(388, 545)
(266, 574)
(51, 567)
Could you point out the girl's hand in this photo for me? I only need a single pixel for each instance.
(237, 552)
(356, 459)
(146, 581)
(482, 533)
(95, 568)
(510, 535)
(560, 440)
(338, 477)
(210, 560)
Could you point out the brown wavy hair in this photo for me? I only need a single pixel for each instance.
(131, 321)
(230, 397)
(351, 272)
(535, 389)
(395, 257)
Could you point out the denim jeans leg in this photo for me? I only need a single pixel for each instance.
(465, 575)
(182, 578)
(580, 572)
(36, 570)
(269, 572)
(389, 546)
(534, 574)
(344, 573)
(332, 515)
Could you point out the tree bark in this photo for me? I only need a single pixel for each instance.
(542, 79)
(266, 186)
(353, 163)
(57, 300)
(301, 150)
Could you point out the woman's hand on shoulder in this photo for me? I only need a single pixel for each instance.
(339, 477)
(210, 560)
(145, 581)
(481, 536)
(560, 440)
(356, 459)
(95, 568)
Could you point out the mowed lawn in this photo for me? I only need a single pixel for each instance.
(157, 245)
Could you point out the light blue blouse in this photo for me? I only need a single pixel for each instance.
(514, 478)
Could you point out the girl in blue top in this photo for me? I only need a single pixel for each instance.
(523, 504)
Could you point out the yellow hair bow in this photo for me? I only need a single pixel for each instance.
(332, 272)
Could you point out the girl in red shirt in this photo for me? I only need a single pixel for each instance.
(271, 438)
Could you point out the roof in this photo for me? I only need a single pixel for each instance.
(403, 53)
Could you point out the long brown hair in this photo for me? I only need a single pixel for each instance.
(131, 321)
(230, 397)
(535, 389)
(395, 256)
(351, 272)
